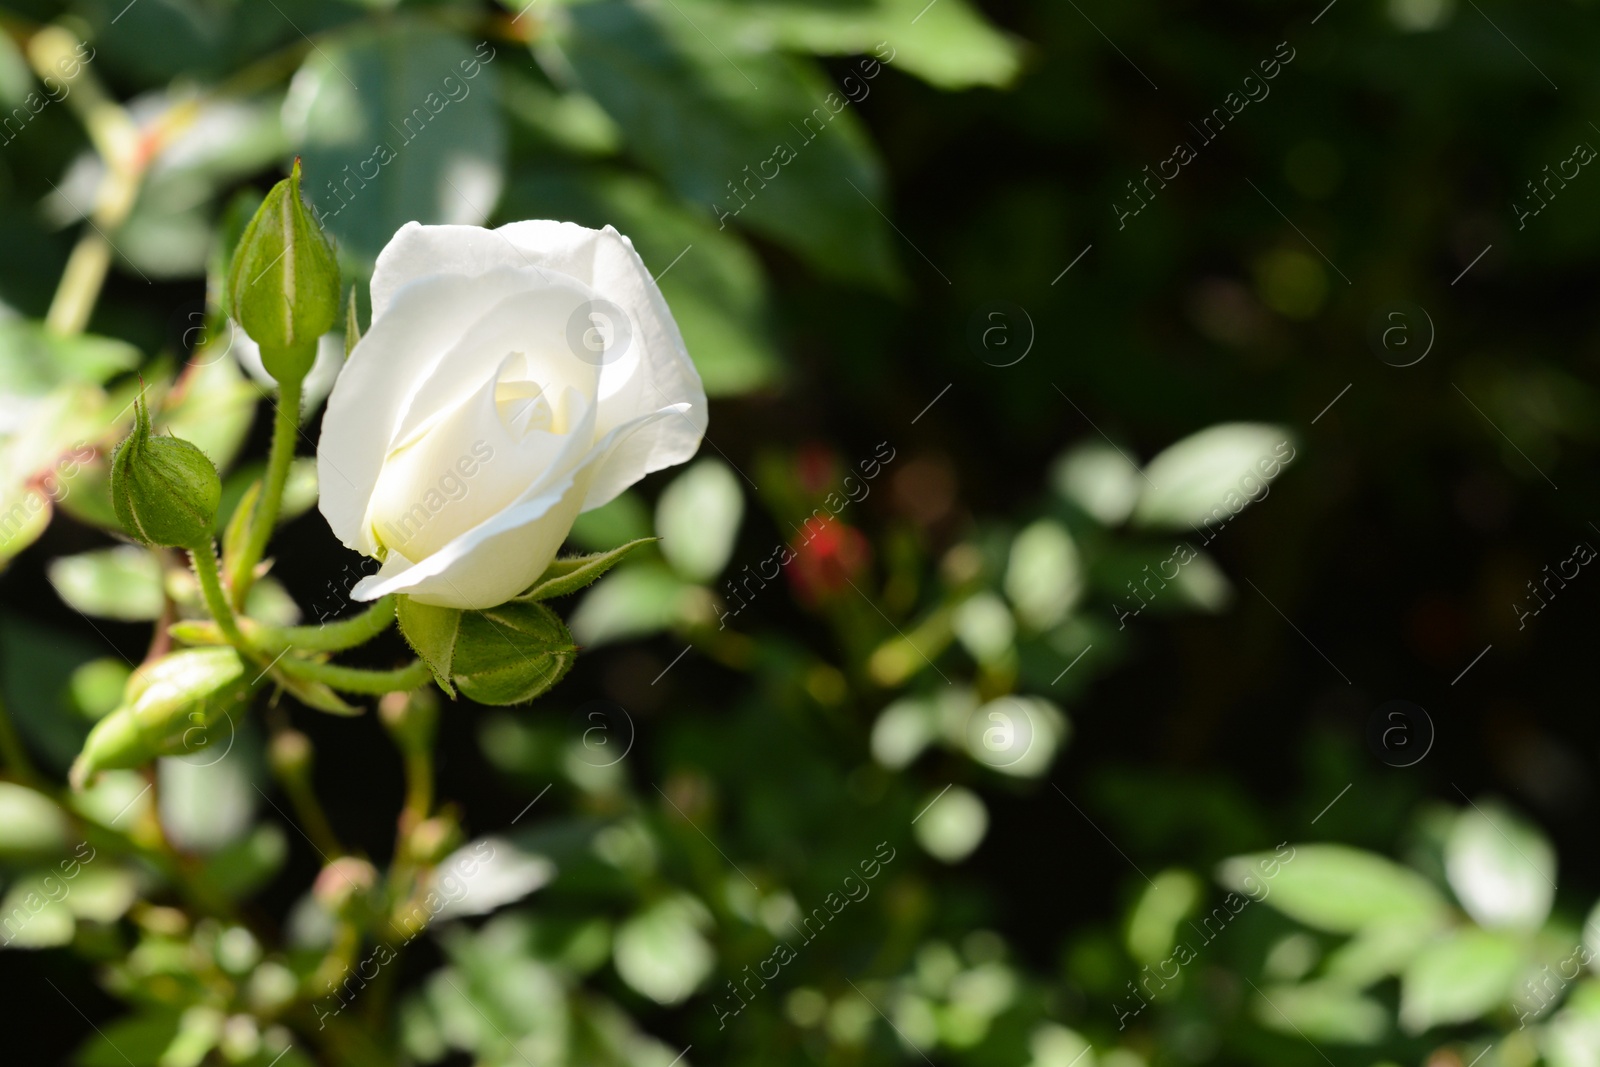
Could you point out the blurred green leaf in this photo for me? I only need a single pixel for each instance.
(710, 114)
(950, 826)
(1044, 574)
(1335, 888)
(123, 583)
(396, 122)
(1168, 900)
(31, 823)
(1322, 1012)
(949, 45)
(135, 1039)
(1501, 868)
(1459, 977)
(662, 952)
(634, 601)
(698, 519)
(1210, 476)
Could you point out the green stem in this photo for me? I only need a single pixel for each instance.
(285, 429)
(358, 679)
(336, 636)
(205, 568)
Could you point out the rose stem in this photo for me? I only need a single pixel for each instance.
(285, 428)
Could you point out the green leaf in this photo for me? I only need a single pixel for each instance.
(31, 823)
(24, 516)
(1209, 477)
(952, 825)
(947, 44)
(101, 894)
(1335, 888)
(136, 1039)
(36, 915)
(701, 109)
(698, 518)
(1044, 575)
(111, 583)
(1319, 1011)
(662, 952)
(207, 799)
(1153, 923)
(568, 575)
(244, 866)
(34, 360)
(1501, 868)
(432, 632)
(1099, 479)
(1376, 952)
(1458, 978)
(512, 653)
(383, 140)
(635, 601)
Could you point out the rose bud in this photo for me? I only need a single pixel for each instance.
(166, 709)
(410, 718)
(510, 380)
(431, 840)
(342, 882)
(283, 282)
(163, 489)
(828, 556)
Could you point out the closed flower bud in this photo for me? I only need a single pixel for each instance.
(290, 754)
(164, 490)
(283, 282)
(410, 718)
(167, 709)
(343, 882)
(431, 840)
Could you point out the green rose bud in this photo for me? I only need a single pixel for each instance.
(283, 282)
(167, 710)
(163, 489)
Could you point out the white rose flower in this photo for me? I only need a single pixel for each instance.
(510, 380)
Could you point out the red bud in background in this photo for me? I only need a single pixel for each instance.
(828, 556)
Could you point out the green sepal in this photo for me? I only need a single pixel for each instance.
(431, 631)
(318, 696)
(569, 575)
(512, 653)
(352, 325)
(237, 536)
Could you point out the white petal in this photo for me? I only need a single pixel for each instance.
(391, 363)
(501, 557)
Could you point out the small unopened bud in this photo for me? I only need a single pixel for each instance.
(410, 718)
(167, 709)
(290, 755)
(163, 489)
(283, 282)
(433, 839)
(343, 882)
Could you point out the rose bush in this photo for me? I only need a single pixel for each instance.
(510, 380)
